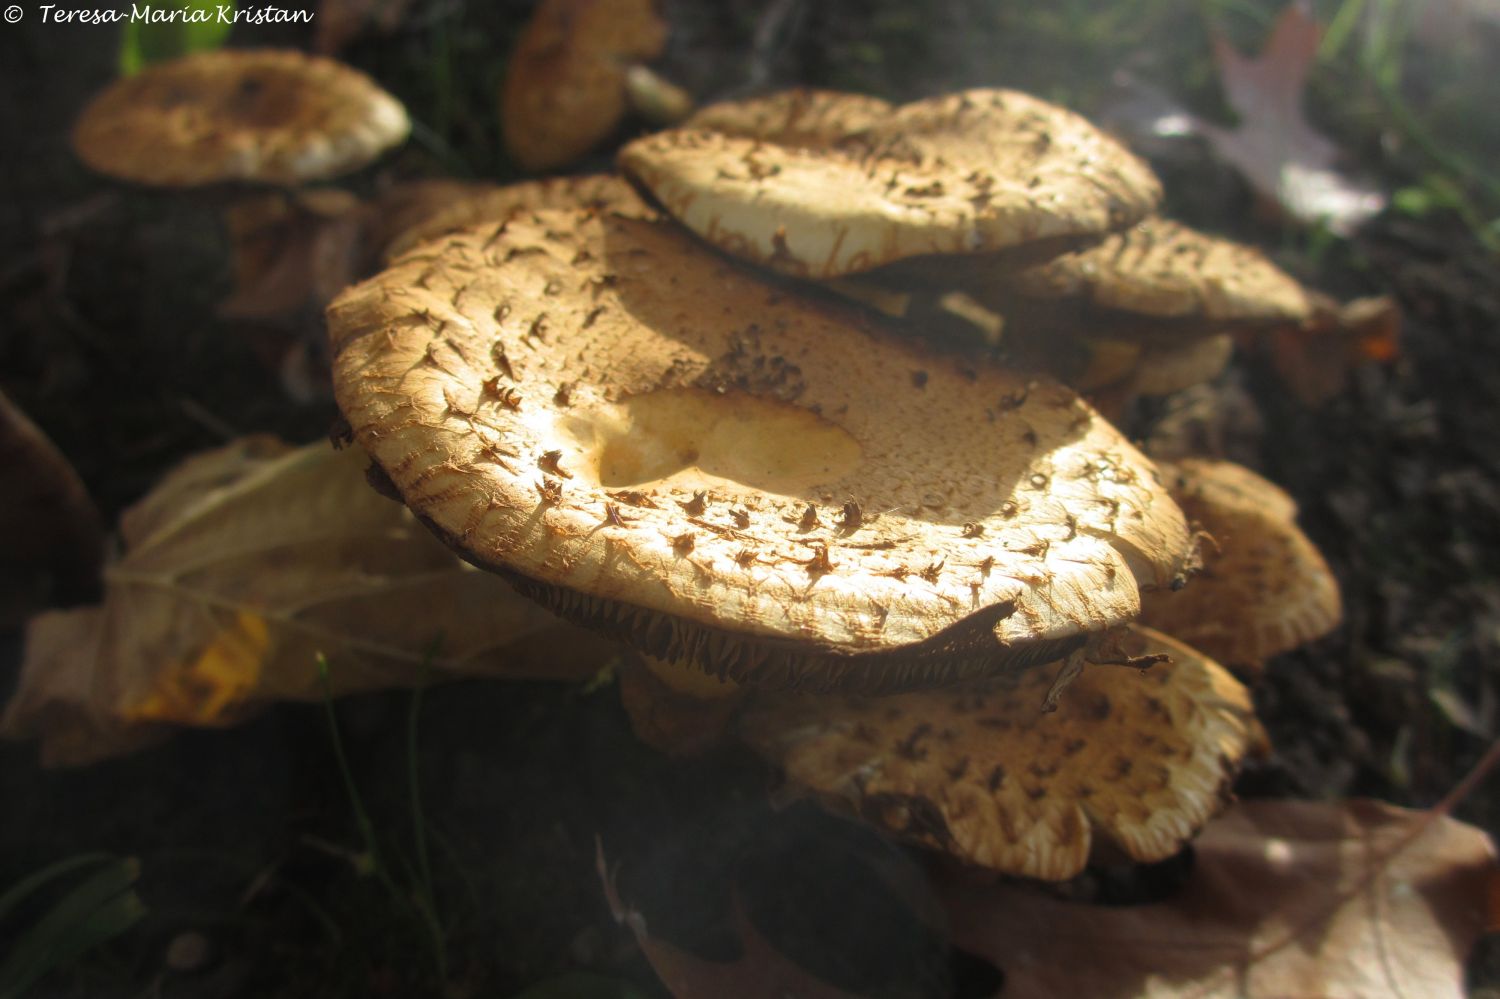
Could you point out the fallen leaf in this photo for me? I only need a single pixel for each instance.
(242, 566)
(53, 539)
(1285, 898)
(760, 971)
(1280, 154)
(1316, 358)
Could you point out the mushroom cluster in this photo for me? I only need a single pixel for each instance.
(907, 569)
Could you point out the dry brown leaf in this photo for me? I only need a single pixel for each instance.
(1280, 154)
(240, 568)
(1286, 898)
(1316, 358)
(760, 971)
(53, 542)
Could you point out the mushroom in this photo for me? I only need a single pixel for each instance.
(1139, 761)
(981, 171)
(291, 251)
(652, 440)
(600, 192)
(1159, 269)
(1263, 588)
(262, 116)
(803, 117)
(574, 70)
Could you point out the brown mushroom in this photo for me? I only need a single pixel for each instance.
(262, 116)
(565, 87)
(1264, 588)
(599, 192)
(806, 118)
(634, 431)
(1137, 760)
(980, 171)
(1160, 269)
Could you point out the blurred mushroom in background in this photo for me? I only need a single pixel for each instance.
(577, 69)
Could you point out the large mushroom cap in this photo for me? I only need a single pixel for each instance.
(1264, 587)
(1163, 269)
(800, 117)
(1139, 759)
(973, 172)
(651, 438)
(564, 90)
(265, 116)
(601, 192)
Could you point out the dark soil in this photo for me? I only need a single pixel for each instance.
(111, 343)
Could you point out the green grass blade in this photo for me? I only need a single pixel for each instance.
(28, 885)
(101, 908)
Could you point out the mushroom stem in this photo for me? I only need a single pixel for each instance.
(682, 677)
(676, 708)
(655, 98)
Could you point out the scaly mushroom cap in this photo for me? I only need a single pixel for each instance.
(1165, 368)
(816, 119)
(1264, 588)
(564, 90)
(1164, 269)
(652, 439)
(263, 116)
(974, 172)
(1141, 759)
(601, 192)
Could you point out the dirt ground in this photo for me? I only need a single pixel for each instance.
(246, 838)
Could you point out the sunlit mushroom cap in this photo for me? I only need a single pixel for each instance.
(601, 192)
(564, 90)
(651, 438)
(801, 117)
(1139, 759)
(1164, 269)
(1264, 588)
(978, 171)
(262, 116)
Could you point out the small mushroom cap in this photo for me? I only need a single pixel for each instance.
(653, 439)
(978, 171)
(1164, 368)
(1140, 759)
(564, 90)
(1264, 587)
(600, 192)
(801, 117)
(261, 116)
(1164, 269)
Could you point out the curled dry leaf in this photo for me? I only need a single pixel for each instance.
(240, 568)
(1286, 898)
(1317, 357)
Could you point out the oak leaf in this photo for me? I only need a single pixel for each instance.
(1285, 898)
(1283, 157)
(240, 567)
